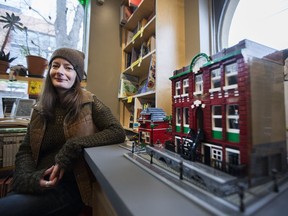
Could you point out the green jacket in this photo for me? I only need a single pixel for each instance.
(95, 126)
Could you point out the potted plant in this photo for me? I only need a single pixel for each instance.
(36, 65)
(5, 61)
(11, 22)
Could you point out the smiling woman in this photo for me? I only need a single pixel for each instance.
(65, 65)
(50, 176)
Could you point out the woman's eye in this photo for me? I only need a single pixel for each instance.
(55, 66)
(69, 68)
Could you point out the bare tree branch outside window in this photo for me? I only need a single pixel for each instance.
(50, 25)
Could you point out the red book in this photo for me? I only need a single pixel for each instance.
(134, 3)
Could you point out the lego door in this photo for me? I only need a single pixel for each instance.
(207, 155)
(199, 118)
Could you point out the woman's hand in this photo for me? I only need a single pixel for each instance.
(54, 174)
(57, 173)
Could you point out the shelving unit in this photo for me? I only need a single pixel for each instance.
(148, 30)
(34, 83)
(165, 21)
(12, 133)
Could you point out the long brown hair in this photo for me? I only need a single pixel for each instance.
(72, 100)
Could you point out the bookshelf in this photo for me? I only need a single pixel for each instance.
(158, 26)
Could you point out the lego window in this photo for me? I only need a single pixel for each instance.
(233, 118)
(216, 78)
(198, 84)
(146, 137)
(178, 143)
(232, 160)
(233, 156)
(232, 123)
(177, 88)
(217, 122)
(186, 117)
(198, 61)
(216, 155)
(178, 119)
(185, 87)
(217, 117)
(178, 116)
(231, 75)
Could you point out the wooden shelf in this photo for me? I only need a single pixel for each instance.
(149, 30)
(20, 78)
(144, 10)
(167, 25)
(140, 69)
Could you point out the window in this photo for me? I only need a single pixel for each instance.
(233, 123)
(217, 122)
(177, 88)
(217, 117)
(178, 116)
(237, 20)
(198, 84)
(231, 73)
(178, 142)
(217, 157)
(265, 25)
(145, 136)
(186, 116)
(216, 78)
(49, 25)
(232, 156)
(186, 87)
(178, 119)
(232, 159)
(233, 118)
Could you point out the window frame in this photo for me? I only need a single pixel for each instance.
(229, 75)
(214, 116)
(216, 78)
(177, 89)
(229, 117)
(198, 85)
(185, 87)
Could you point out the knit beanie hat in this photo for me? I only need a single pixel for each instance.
(73, 56)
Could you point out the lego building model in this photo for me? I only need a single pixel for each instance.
(153, 126)
(236, 107)
(227, 134)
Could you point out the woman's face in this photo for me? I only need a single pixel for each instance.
(62, 74)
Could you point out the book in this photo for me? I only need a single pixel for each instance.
(134, 54)
(143, 49)
(134, 3)
(128, 60)
(142, 87)
(125, 13)
(129, 36)
(151, 79)
(128, 85)
(151, 43)
(148, 84)
(142, 23)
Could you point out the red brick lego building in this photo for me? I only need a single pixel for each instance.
(233, 107)
(153, 127)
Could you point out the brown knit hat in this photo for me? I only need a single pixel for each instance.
(73, 56)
